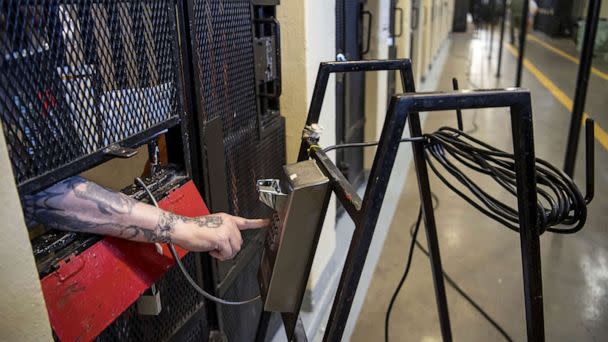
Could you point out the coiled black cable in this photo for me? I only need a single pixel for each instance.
(560, 202)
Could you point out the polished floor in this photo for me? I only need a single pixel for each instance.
(481, 256)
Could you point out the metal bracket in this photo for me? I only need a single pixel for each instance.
(265, 63)
(270, 193)
(120, 151)
(217, 336)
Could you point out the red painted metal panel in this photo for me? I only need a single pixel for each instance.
(93, 288)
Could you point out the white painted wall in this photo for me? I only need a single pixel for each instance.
(418, 53)
(376, 92)
(307, 39)
(23, 315)
(321, 47)
(403, 42)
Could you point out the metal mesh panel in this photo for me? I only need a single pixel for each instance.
(248, 160)
(77, 76)
(179, 302)
(196, 334)
(240, 323)
(222, 39)
(223, 42)
(235, 326)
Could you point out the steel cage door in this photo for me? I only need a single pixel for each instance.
(350, 88)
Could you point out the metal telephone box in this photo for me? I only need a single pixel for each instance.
(300, 201)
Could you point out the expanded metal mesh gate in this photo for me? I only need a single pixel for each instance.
(80, 78)
(77, 77)
(179, 301)
(222, 40)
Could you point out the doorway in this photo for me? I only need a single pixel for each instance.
(350, 88)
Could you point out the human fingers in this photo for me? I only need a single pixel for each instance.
(244, 223)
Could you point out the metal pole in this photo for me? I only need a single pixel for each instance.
(431, 229)
(522, 40)
(502, 36)
(492, 10)
(363, 212)
(523, 147)
(582, 81)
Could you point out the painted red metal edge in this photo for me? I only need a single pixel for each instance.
(91, 290)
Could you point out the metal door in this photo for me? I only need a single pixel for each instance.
(401, 37)
(350, 88)
(414, 37)
(392, 43)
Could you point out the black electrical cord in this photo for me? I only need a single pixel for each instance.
(408, 263)
(414, 242)
(560, 202)
(183, 269)
(462, 292)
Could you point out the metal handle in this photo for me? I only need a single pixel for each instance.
(269, 193)
(275, 26)
(414, 19)
(369, 31)
(400, 10)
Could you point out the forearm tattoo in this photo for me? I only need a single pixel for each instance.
(209, 221)
(113, 209)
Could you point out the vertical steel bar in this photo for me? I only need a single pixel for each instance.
(314, 111)
(502, 36)
(523, 146)
(429, 218)
(189, 91)
(492, 10)
(522, 41)
(589, 159)
(582, 81)
(458, 111)
(365, 222)
(430, 227)
(191, 98)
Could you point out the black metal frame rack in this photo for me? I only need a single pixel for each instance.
(365, 211)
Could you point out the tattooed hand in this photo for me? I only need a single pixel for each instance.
(219, 234)
(77, 204)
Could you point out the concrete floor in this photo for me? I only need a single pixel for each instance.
(482, 256)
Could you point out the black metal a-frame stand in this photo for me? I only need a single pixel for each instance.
(364, 212)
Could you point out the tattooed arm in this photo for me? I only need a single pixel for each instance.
(79, 205)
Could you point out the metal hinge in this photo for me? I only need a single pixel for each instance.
(265, 63)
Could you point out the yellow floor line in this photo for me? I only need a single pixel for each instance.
(600, 134)
(566, 55)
